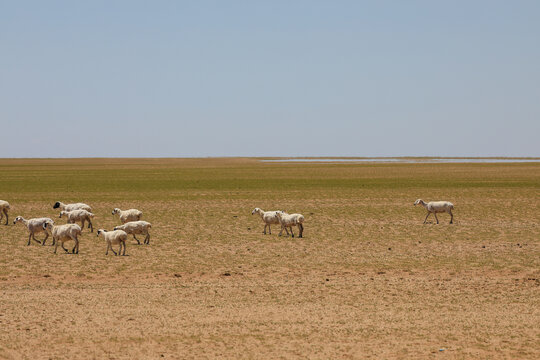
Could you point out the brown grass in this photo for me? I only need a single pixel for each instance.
(367, 281)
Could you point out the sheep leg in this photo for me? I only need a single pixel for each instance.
(427, 217)
(435, 214)
(90, 225)
(2, 215)
(281, 231)
(66, 250)
(34, 238)
(46, 237)
(29, 238)
(264, 231)
(269, 230)
(7, 216)
(76, 246)
(452, 217)
(300, 229)
(138, 242)
(147, 239)
(56, 247)
(287, 231)
(292, 233)
(107, 252)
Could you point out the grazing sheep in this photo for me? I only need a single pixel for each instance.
(63, 233)
(136, 227)
(128, 215)
(4, 207)
(35, 226)
(79, 215)
(268, 217)
(290, 220)
(114, 237)
(434, 207)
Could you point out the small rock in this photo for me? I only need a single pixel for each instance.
(389, 248)
(177, 275)
(227, 274)
(327, 279)
(483, 246)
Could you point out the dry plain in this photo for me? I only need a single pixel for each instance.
(368, 280)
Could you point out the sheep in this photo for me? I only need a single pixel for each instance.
(128, 215)
(436, 207)
(114, 237)
(35, 226)
(268, 217)
(71, 207)
(290, 220)
(136, 227)
(4, 207)
(63, 233)
(79, 215)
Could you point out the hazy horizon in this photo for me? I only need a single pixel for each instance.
(269, 79)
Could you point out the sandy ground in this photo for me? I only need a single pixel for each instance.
(368, 280)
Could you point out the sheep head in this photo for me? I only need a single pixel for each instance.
(47, 226)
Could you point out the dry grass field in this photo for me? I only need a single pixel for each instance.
(368, 280)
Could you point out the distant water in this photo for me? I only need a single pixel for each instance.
(408, 161)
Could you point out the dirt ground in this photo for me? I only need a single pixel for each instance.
(368, 280)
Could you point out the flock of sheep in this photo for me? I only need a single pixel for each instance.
(287, 221)
(133, 225)
(79, 212)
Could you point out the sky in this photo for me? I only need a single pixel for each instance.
(269, 78)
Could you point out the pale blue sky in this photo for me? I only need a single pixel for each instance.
(269, 78)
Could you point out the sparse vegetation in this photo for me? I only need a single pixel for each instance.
(367, 278)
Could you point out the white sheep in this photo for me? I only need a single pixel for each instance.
(114, 238)
(79, 215)
(268, 217)
(4, 208)
(63, 233)
(434, 207)
(128, 215)
(136, 228)
(290, 220)
(35, 226)
(71, 207)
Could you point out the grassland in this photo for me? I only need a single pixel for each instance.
(368, 280)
